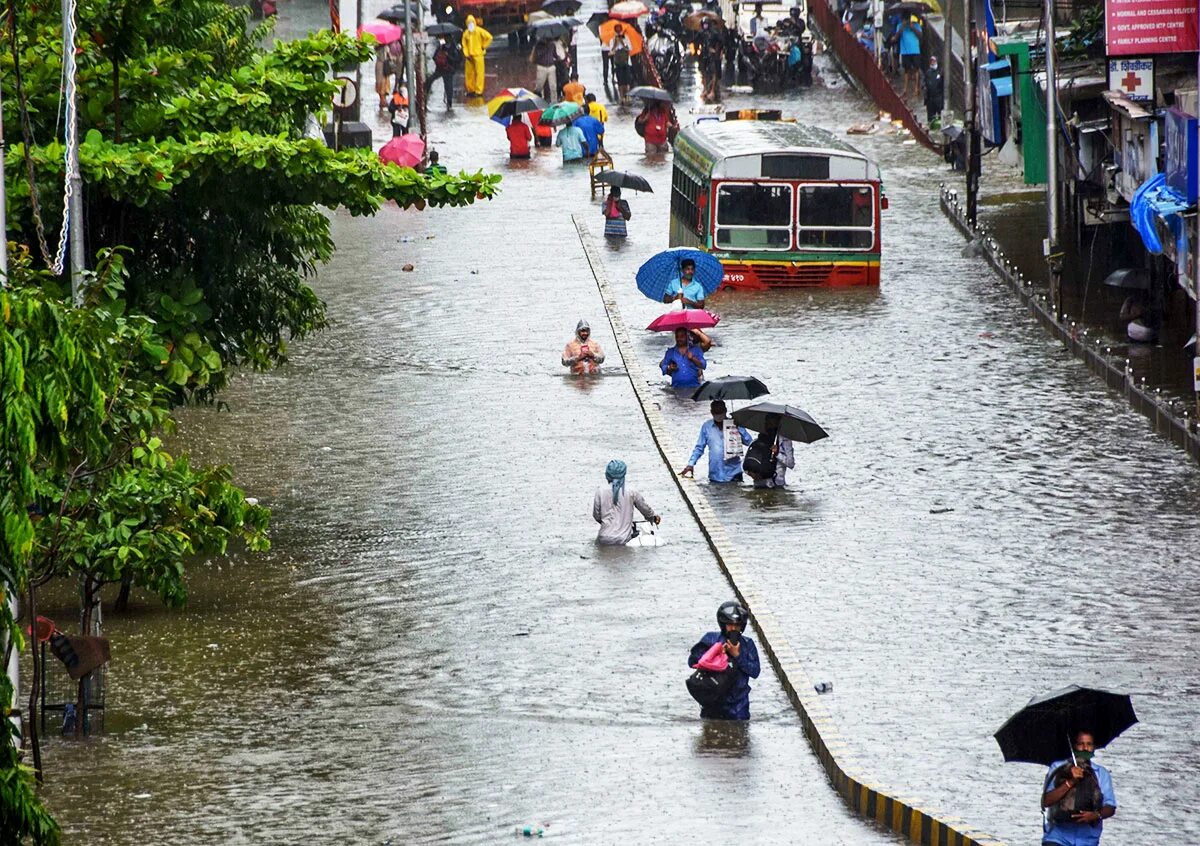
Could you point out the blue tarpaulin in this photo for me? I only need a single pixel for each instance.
(1153, 199)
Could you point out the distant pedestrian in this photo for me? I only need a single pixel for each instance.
(475, 42)
(758, 23)
(723, 441)
(616, 212)
(1078, 796)
(519, 136)
(935, 94)
(684, 362)
(712, 52)
(596, 109)
(684, 288)
(909, 35)
(613, 504)
(620, 51)
(398, 108)
(575, 91)
(582, 354)
(434, 165)
(743, 661)
(573, 144)
(544, 56)
(593, 132)
(446, 60)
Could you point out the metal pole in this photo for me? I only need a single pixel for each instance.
(409, 60)
(1196, 289)
(1050, 248)
(974, 143)
(948, 51)
(75, 181)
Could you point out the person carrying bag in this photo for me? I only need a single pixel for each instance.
(616, 212)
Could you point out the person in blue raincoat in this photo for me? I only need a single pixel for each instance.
(712, 438)
(743, 660)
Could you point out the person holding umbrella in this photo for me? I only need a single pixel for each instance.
(620, 52)
(684, 362)
(1077, 793)
(616, 212)
(1074, 783)
(685, 288)
(446, 59)
(772, 452)
(724, 463)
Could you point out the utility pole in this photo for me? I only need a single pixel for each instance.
(74, 180)
(409, 60)
(971, 112)
(1050, 247)
(947, 51)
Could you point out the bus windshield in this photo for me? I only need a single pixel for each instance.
(754, 216)
(836, 216)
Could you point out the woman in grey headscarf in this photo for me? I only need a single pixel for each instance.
(613, 504)
(582, 354)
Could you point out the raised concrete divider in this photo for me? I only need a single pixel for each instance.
(861, 792)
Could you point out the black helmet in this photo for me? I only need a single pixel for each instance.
(732, 612)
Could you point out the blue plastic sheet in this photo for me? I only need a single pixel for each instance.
(1154, 199)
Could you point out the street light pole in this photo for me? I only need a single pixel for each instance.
(410, 60)
(1050, 248)
(71, 133)
(948, 51)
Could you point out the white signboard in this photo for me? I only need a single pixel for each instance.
(733, 440)
(1132, 77)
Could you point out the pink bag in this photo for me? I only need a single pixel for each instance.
(714, 660)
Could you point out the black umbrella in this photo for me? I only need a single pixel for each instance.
(624, 180)
(795, 424)
(562, 7)
(649, 92)
(1129, 278)
(593, 23)
(730, 388)
(520, 106)
(444, 29)
(394, 15)
(1041, 732)
(553, 27)
(909, 8)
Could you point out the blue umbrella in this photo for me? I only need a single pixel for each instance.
(660, 270)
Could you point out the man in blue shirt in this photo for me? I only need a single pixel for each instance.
(743, 660)
(684, 362)
(593, 132)
(1083, 828)
(910, 54)
(712, 438)
(685, 288)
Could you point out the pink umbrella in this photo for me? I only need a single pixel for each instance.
(689, 318)
(628, 10)
(384, 32)
(404, 150)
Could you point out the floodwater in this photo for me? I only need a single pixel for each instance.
(435, 651)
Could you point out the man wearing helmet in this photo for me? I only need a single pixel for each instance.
(743, 661)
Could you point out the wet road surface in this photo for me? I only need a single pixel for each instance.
(434, 650)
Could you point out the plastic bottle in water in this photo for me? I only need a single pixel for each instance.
(530, 831)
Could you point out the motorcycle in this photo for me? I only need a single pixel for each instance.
(667, 55)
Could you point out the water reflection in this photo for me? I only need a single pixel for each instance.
(723, 739)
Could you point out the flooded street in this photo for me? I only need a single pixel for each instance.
(434, 650)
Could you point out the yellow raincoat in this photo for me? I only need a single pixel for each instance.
(475, 41)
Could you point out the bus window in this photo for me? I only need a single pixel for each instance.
(754, 217)
(836, 217)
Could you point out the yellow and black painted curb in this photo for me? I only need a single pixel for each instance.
(901, 814)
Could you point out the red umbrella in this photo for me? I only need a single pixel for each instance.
(689, 318)
(404, 150)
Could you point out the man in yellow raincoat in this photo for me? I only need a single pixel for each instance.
(475, 41)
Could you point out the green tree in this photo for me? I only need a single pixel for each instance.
(194, 157)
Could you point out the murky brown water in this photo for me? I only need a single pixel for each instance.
(434, 650)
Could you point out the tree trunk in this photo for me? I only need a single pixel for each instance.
(122, 603)
(35, 687)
